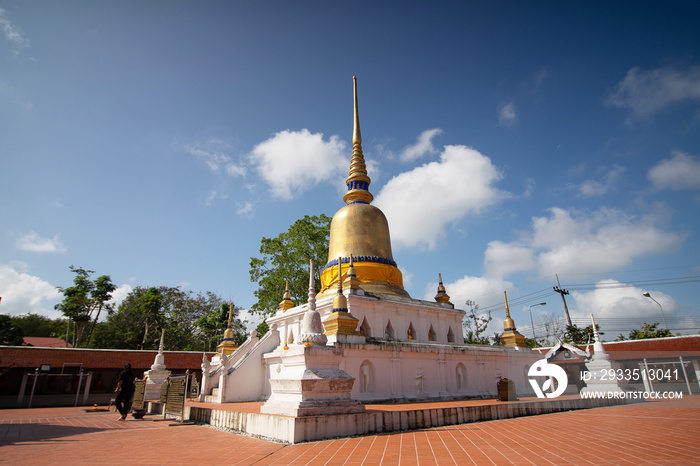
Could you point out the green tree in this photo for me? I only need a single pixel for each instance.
(286, 257)
(580, 336)
(179, 313)
(10, 334)
(36, 325)
(213, 324)
(530, 343)
(648, 331)
(475, 325)
(150, 305)
(84, 301)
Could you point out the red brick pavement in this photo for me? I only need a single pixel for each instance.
(664, 432)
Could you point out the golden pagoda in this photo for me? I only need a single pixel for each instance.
(442, 297)
(286, 302)
(361, 230)
(228, 345)
(511, 336)
(340, 321)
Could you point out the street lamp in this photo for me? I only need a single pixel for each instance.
(647, 295)
(531, 321)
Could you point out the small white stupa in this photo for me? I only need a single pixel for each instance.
(157, 374)
(599, 366)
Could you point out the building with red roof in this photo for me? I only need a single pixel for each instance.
(59, 373)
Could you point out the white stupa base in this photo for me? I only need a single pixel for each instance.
(601, 377)
(309, 383)
(154, 380)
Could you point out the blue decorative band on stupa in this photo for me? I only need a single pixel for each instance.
(509, 328)
(358, 184)
(356, 259)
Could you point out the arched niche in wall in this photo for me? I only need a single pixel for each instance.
(368, 377)
(389, 330)
(461, 377)
(411, 333)
(365, 329)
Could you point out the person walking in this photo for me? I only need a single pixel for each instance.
(125, 391)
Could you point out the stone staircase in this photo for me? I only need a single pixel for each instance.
(214, 397)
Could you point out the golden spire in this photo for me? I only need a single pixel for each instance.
(510, 336)
(340, 303)
(228, 333)
(351, 281)
(442, 296)
(228, 345)
(357, 180)
(286, 302)
(508, 323)
(361, 230)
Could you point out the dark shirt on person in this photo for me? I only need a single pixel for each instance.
(127, 380)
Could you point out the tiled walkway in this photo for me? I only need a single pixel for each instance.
(664, 432)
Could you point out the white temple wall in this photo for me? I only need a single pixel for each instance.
(419, 369)
(379, 313)
(418, 372)
(248, 378)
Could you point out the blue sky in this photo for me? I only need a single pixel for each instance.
(507, 142)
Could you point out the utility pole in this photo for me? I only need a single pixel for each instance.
(559, 290)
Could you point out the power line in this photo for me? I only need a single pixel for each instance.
(636, 283)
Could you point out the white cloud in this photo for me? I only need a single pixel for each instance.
(423, 146)
(34, 243)
(484, 291)
(292, 161)
(590, 188)
(216, 160)
(12, 34)
(421, 203)
(506, 114)
(529, 187)
(119, 295)
(612, 299)
(250, 318)
(23, 293)
(682, 171)
(245, 209)
(502, 259)
(580, 242)
(646, 92)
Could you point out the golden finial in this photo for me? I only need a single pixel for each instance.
(357, 180)
(442, 296)
(351, 281)
(505, 296)
(228, 345)
(508, 323)
(340, 303)
(287, 302)
(510, 335)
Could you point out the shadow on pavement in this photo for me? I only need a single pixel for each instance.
(22, 433)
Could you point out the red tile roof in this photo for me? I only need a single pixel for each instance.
(674, 347)
(32, 357)
(46, 342)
